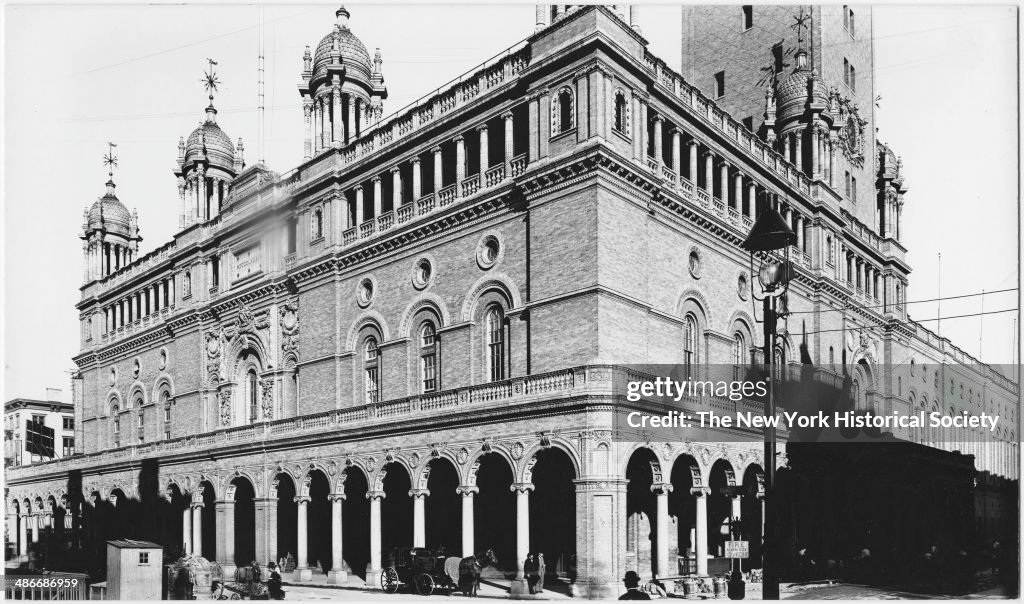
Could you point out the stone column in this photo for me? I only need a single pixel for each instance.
(661, 491)
(737, 192)
(522, 491)
(266, 529)
(359, 208)
(468, 525)
(226, 530)
(337, 575)
(484, 159)
(325, 121)
(692, 150)
(799, 150)
(378, 203)
(201, 206)
(197, 528)
(351, 128)
(303, 573)
(634, 17)
(419, 517)
(186, 530)
(181, 202)
(677, 159)
(438, 173)
(723, 181)
(542, 17)
(36, 521)
(337, 122)
(373, 572)
(752, 200)
(815, 152)
(396, 188)
(417, 180)
(831, 164)
(800, 232)
(786, 146)
(709, 172)
(701, 547)
(509, 142)
(23, 536)
(659, 150)
(460, 163)
(307, 122)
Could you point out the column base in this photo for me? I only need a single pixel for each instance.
(302, 575)
(520, 587)
(228, 571)
(373, 579)
(337, 577)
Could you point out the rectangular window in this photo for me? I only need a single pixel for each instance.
(748, 16)
(853, 78)
(215, 270)
(167, 413)
(846, 72)
(293, 226)
(429, 372)
(69, 423)
(853, 30)
(38, 419)
(748, 123)
(720, 84)
(143, 557)
(853, 188)
(846, 16)
(372, 385)
(777, 56)
(69, 447)
(848, 184)
(167, 435)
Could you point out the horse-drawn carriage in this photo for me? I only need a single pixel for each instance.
(246, 586)
(430, 572)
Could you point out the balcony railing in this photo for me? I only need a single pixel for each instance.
(385, 221)
(703, 197)
(349, 236)
(495, 175)
(446, 195)
(518, 165)
(366, 229)
(425, 204)
(405, 213)
(470, 186)
(668, 174)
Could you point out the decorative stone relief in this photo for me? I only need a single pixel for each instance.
(517, 450)
(267, 399)
(225, 407)
(290, 327)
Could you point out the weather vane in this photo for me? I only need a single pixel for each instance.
(801, 19)
(210, 79)
(110, 160)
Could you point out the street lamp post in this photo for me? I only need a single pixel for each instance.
(770, 233)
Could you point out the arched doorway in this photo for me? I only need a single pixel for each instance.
(395, 510)
(245, 522)
(682, 509)
(640, 511)
(443, 508)
(121, 512)
(722, 480)
(355, 521)
(751, 508)
(173, 525)
(209, 520)
(318, 523)
(287, 521)
(494, 511)
(553, 513)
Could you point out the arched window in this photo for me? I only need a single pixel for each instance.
(563, 111)
(142, 424)
(496, 343)
(832, 358)
(690, 346)
(186, 284)
(428, 357)
(621, 113)
(116, 425)
(317, 223)
(371, 363)
(738, 356)
(252, 386)
(165, 404)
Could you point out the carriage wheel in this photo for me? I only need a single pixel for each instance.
(235, 597)
(424, 584)
(389, 580)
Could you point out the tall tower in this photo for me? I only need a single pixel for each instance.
(743, 56)
(342, 88)
(207, 163)
(110, 234)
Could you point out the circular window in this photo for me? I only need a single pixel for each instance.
(695, 264)
(136, 368)
(911, 366)
(743, 286)
(422, 272)
(365, 291)
(163, 359)
(489, 251)
(113, 376)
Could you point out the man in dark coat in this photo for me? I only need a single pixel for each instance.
(632, 583)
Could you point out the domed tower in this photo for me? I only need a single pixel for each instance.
(207, 163)
(342, 88)
(110, 233)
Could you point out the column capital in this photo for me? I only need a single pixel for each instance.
(394, 170)
(657, 117)
(375, 179)
(700, 492)
(436, 149)
(521, 487)
(660, 488)
(372, 495)
(675, 131)
(357, 188)
(692, 142)
(337, 497)
(467, 491)
(709, 153)
(482, 128)
(196, 504)
(506, 115)
(417, 493)
(300, 499)
(414, 160)
(458, 139)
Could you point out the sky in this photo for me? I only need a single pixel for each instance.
(77, 76)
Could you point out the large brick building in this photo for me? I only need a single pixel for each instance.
(414, 336)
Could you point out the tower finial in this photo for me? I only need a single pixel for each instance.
(210, 82)
(342, 14)
(110, 160)
(801, 20)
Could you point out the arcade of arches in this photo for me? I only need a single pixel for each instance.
(344, 519)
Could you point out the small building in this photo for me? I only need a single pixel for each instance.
(52, 413)
(134, 570)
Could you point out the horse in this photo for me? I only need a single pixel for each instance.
(465, 572)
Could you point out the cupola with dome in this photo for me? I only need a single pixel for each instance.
(342, 88)
(110, 233)
(207, 163)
